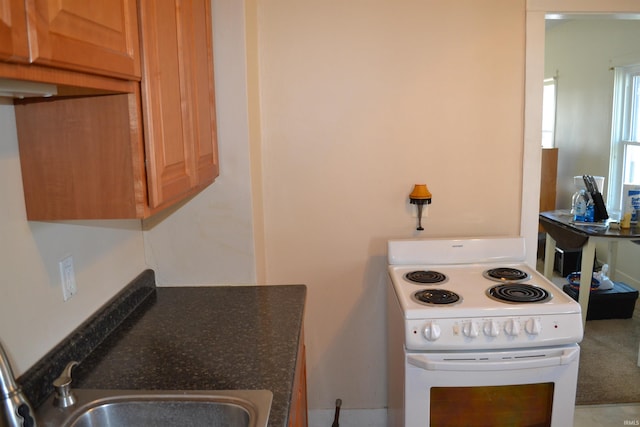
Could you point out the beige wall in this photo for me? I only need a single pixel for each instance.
(349, 105)
(359, 101)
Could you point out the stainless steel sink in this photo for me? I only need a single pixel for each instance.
(122, 408)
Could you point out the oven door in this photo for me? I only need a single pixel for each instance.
(516, 388)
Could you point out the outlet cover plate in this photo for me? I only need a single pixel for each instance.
(67, 278)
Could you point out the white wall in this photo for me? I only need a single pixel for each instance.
(582, 53)
(106, 254)
(210, 239)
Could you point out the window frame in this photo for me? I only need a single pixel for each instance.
(622, 125)
(549, 111)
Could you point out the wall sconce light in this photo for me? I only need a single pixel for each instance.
(420, 196)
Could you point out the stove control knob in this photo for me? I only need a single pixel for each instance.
(431, 331)
(491, 328)
(512, 327)
(471, 329)
(533, 326)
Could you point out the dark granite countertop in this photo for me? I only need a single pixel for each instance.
(204, 338)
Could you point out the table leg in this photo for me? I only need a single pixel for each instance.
(586, 272)
(612, 255)
(549, 256)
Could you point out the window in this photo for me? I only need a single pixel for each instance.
(549, 113)
(625, 133)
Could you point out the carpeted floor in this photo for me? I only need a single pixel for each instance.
(608, 370)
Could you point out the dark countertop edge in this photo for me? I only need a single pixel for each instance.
(555, 218)
(37, 381)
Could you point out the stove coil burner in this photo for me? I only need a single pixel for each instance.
(506, 274)
(428, 277)
(518, 293)
(437, 297)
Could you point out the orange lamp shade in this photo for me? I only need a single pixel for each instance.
(420, 192)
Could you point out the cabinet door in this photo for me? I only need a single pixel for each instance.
(201, 65)
(178, 98)
(95, 36)
(14, 45)
(298, 406)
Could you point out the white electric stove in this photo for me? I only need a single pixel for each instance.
(468, 318)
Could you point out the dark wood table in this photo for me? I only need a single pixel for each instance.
(561, 230)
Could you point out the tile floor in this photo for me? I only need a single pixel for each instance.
(607, 415)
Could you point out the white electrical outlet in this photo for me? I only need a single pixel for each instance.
(67, 278)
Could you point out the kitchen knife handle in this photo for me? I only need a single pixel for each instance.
(587, 183)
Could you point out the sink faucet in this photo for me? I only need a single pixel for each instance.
(15, 410)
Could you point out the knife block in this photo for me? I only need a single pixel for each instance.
(600, 210)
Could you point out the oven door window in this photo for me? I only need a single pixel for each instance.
(514, 388)
(526, 405)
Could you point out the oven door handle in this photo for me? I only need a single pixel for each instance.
(504, 363)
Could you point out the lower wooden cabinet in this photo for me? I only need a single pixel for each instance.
(298, 408)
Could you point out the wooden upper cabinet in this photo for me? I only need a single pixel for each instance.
(203, 95)
(178, 97)
(98, 37)
(82, 157)
(132, 154)
(14, 45)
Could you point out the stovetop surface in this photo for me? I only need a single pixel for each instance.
(469, 283)
(476, 320)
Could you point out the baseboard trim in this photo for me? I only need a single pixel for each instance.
(349, 417)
